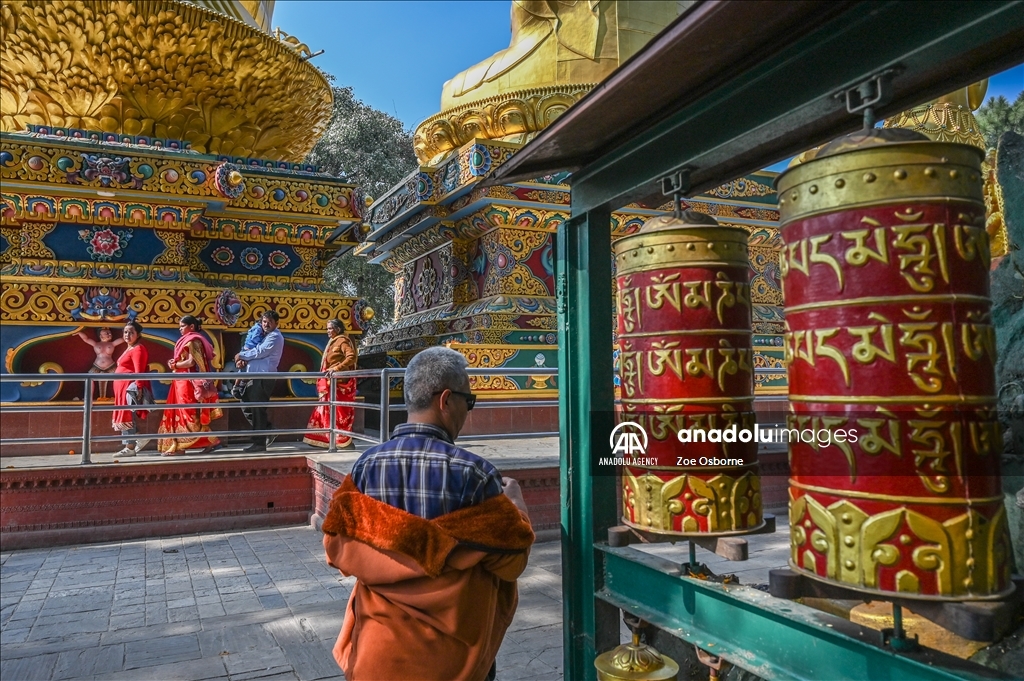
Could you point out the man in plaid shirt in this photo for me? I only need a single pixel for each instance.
(420, 469)
(435, 538)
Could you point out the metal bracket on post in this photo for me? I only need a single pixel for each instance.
(868, 95)
(712, 662)
(87, 423)
(675, 185)
(896, 637)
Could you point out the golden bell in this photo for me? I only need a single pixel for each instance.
(635, 661)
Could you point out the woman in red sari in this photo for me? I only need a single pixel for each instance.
(134, 360)
(192, 354)
(339, 355)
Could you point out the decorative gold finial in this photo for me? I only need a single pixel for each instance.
(234, 178)
(635, 661)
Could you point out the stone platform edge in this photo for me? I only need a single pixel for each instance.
(59, 506)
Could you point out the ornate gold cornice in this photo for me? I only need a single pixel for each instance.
(162, 68)
(49, 167)
(512, 117)
(941, 122)
(46, 302)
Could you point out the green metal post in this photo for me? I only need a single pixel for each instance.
(586, 396)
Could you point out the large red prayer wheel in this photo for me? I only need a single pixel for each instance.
(685, 364)
(885, 278)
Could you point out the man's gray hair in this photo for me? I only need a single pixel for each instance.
(431, 371)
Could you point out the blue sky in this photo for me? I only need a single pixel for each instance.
(397, 55)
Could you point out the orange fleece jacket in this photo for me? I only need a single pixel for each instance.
(433, 598)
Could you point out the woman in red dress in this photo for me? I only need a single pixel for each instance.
(134, 360)
(339, 355)
(192, 354)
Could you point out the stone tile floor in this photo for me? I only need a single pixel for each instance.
(255, 604)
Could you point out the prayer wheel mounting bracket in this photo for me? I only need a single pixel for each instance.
(868, 95)
(978, 621)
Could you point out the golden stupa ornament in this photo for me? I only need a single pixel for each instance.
(159, 68)
(635, 661)
(949, 118)
(559, 50)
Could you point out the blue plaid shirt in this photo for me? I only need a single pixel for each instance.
(421, 471)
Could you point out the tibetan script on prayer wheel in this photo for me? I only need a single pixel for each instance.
(687, 377)
(889, 341)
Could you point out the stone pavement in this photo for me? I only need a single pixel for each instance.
(255, 604)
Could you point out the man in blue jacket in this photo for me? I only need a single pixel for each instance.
(264, 358)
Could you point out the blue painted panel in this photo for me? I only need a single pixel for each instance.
(11, 336)
(311, 345)
(74, 242)
(234, 257)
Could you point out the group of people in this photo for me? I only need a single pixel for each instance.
(194, 400)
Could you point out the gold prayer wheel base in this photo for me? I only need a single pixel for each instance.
(635, 662)
(656, 535)
(905, 595)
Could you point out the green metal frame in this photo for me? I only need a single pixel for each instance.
(583, 270)
(795, 91)
(773, 638)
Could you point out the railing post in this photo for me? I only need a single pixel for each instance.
(87, 423)
(331, 383)
(385, 406)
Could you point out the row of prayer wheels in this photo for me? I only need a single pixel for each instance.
(893, 440)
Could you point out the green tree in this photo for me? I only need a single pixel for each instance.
(370, 148)
(998, 116)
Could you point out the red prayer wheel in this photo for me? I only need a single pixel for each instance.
(686, 365)
(889, 337)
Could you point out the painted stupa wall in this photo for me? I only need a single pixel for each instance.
(105, 218)
(474, 266)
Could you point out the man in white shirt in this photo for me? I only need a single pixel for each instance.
(263, 358)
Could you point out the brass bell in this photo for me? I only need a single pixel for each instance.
(635, 661)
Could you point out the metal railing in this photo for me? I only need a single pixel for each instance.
(384, 406)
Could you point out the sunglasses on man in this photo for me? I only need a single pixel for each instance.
(469, 397)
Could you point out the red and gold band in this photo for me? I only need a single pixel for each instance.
(686, 364)
(891, 356)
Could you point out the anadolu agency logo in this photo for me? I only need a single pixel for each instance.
(628, 442)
